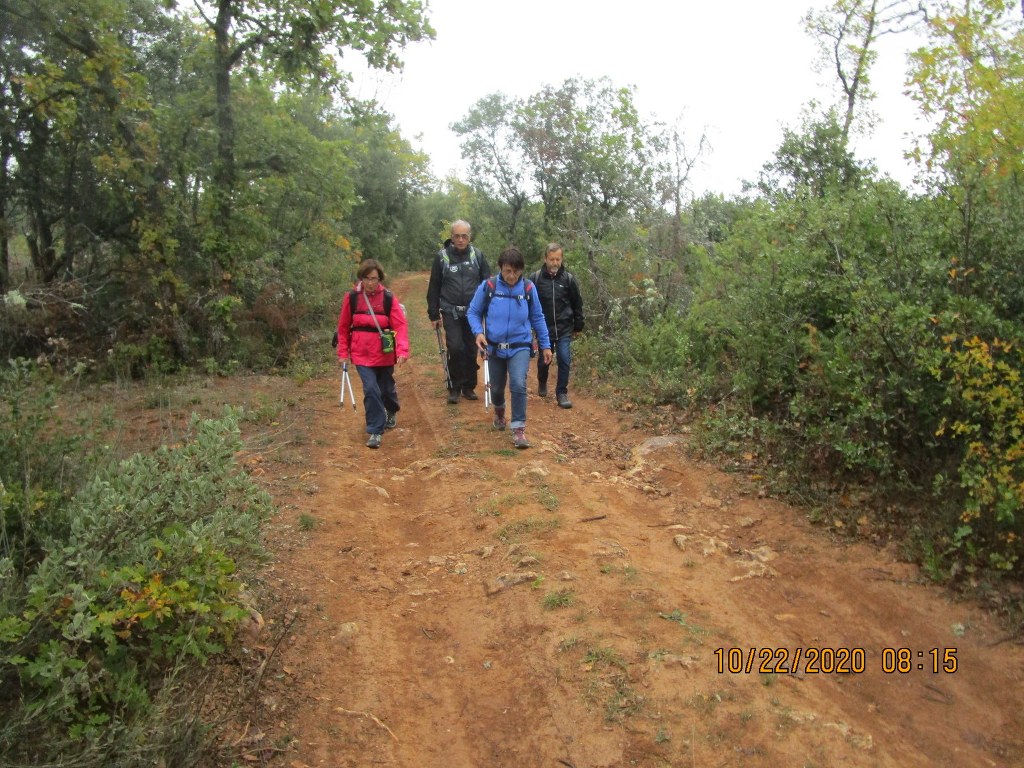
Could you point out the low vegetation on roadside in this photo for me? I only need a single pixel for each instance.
(119, 582)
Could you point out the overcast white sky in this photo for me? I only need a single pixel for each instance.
(738, 70)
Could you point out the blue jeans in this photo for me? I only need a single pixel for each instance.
(380, 396)
(514, 368)
(564, 354)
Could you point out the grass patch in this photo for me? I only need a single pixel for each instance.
(563, 598)
(497, 505)
(262, 412)
(623, 701)
(604, 656)
(307, 522)
(568, 643)
(529, 526)
(547, 498)
(696, 632)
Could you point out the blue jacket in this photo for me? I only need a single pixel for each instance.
(509, 315)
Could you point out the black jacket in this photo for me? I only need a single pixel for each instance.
(561, 300)
(454, 279)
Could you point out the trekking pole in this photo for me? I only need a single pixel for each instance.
(487, 382)
(444, 359)
(346, 381)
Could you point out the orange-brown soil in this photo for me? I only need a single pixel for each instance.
(600, 599)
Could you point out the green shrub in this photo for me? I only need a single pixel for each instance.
(132, 585)
(987, 396)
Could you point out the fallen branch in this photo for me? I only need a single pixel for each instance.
(592, 519)
(369, 715)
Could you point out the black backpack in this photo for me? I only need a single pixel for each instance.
(353, 297)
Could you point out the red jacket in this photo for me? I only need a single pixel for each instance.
(357, 335)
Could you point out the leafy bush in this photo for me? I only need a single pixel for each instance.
(987, 396)
(111, 597)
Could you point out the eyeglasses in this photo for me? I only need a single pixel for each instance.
(461, 237)
(371, 279)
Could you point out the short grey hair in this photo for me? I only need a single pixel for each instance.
(464, 223)
(552, 247)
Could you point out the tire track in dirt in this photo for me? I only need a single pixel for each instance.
(463, 604)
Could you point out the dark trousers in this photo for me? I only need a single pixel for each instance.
(462, 354)
(380, 396)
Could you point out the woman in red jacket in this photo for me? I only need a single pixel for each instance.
(372, 332)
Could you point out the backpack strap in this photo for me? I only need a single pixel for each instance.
(353, 301)
(492, 290)
(446, 262)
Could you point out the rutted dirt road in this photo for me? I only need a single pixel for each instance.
(597, 600)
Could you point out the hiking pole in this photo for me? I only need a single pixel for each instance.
(346, 381)
(444, 359)
(487, 381)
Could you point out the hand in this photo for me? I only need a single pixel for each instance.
(481, 342)
(547, 356)
(401, 360)
(436, 323)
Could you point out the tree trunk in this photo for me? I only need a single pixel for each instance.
(5, 225)
(224, 170)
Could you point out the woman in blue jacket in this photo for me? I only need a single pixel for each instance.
(503, 313)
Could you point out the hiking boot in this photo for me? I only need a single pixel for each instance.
(542, 390)
(499, 417)
(519, 438)
(374, 441)
(469, 394)
(563, 400)
(453, 396)
(390, 422)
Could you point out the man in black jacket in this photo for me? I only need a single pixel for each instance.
(457, 270)
(562, 302)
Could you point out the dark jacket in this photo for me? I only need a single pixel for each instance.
(561, 300)
(454, 279)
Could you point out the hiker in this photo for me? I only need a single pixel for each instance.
(504, 315)
(372, 332)
(457, 270)
(562, 302)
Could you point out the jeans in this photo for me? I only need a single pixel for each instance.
(380, 396)
(514, 368)
(564, 354)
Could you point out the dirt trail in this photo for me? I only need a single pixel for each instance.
(463, 604)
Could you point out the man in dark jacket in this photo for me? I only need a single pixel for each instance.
(562, 302)
(457, 270)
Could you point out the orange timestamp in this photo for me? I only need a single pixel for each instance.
(838, 660)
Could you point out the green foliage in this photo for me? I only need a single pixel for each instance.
(987, 396)
(115, 590)
(563, 598)
(187, 194)
(36, 477)
(654, 357)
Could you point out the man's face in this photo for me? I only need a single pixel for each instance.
(553, 261)
(460, 237)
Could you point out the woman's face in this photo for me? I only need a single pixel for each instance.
(371, 281)
(510, 274)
